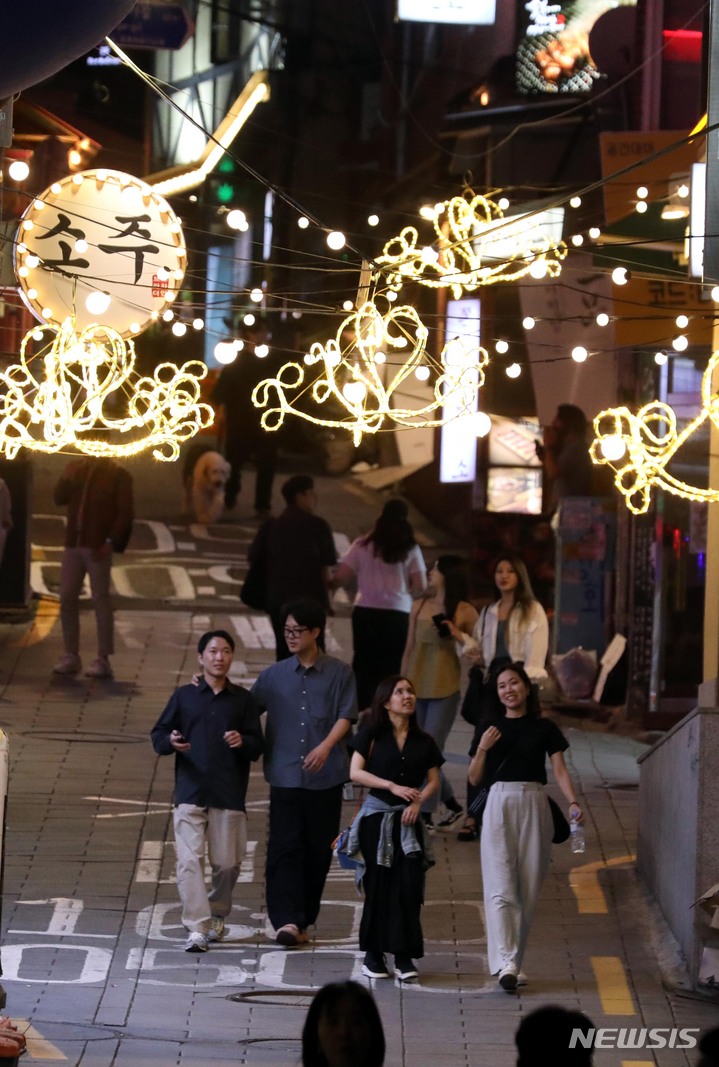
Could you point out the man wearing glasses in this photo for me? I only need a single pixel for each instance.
(311, 703)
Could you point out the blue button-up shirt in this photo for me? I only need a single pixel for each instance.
(303, 704)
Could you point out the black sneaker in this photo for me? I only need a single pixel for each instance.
(404, 968)
(375, 965)
(450, 818)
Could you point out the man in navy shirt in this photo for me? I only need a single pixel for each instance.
(214, 730)
(311, 703)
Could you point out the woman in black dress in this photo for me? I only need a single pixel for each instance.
(399, 764)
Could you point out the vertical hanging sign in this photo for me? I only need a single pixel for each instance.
(458, 448)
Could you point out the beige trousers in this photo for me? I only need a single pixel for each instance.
(516, 844)
(224, 833)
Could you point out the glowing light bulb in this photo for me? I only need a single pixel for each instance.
(56, 188)
(237, 220)
(683, 191)
(427, 212)
(620, 275)
(162, 273)
(225, 352)
(580, 354)
(682, 321)
(198, 324)
(576, 201)
(577, 240)
(168, 315)
(256, 295)
(179, 329)
(347, 305)
(238, 344)
(660, 358)
(261, 351)
(602, 319)
(595, 233)
(680, 343)
(81, 245)
(482, 423)
(714, 294)
(77, 179)
(641, 207)
(538, 269)
(303, 222)
(422, 373)
(380, 357)
(502, 347)
(613, 447)
(98, 302)
(513, 370)
(28, 224)
(249, 319)
(354, 392)
(391, 296)
(170, 295)
(18, 170)
(373, 220)
(429, 255)
(38, 204)
(642, 192)
(335, 240)
(528, 322)
(503, 203)
(32, 294)
(134, 327)
(74, 158)
(46, 313)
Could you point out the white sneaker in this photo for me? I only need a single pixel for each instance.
(522, 979)
(217, 929)
(196, 942)
(508, 979)
(99, 668)
(68, 664)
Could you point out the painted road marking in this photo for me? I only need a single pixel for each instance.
(46, 615)
(38, 1047)
(584, 883)
(612, 985)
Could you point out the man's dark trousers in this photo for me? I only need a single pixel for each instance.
(303, 825)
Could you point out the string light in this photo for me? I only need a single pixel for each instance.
(360, 396)
(469, 231)
(640, 446)
(72, 401)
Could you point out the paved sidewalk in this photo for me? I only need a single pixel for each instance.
(92, 955)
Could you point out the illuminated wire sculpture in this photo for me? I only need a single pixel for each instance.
(473, 245)
(638, 447)
(81, 391)
(356, 383)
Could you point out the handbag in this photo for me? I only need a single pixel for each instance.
(339, 847)
(561, 826)
(476, 807)
(340, 843)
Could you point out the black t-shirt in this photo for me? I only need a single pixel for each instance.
(406, 766)
(526, 742)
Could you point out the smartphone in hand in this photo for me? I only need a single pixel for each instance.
(440, 621)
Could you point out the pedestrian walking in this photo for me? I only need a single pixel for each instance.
(311, 703)
(213, 728)
(240, 430)
(389, 571)
(565, 455)
(399, 764)
(295, 553)
(512, 630)
(430, 659)
(99, 500)
(517, 825)
(343, 1028)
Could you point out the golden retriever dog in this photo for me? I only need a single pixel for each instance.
(205, 480)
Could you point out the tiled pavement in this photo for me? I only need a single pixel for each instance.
(91, 950)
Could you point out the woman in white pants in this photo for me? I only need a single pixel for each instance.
(517, 826)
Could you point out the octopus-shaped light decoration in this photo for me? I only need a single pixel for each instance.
(638, 447)
(80, 391)
(358, 377)
(473, 245)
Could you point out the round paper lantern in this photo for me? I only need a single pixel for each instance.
(40, 37)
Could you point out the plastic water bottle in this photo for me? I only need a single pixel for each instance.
(576, 836)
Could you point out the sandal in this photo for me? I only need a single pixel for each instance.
(469, 832)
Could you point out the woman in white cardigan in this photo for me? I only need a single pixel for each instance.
(514, 629)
